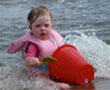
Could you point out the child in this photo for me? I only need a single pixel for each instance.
(40, 42)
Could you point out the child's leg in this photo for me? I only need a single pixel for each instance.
(34, 73)
(63, 86)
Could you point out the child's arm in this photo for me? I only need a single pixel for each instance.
(16, 45)
(32, 52)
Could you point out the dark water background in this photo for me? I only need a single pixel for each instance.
(83, 23)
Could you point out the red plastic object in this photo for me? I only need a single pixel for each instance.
(71, 67)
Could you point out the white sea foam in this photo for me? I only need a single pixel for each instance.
(94, 50)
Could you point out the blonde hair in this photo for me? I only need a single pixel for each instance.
(38, 11)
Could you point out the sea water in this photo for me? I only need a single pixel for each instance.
(83, 23)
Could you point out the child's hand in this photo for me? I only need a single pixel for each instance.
(32, 61)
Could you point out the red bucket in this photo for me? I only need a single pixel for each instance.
(70, 66)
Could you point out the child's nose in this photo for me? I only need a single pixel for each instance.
(43, 27)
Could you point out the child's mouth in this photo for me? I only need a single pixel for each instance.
(43, 34)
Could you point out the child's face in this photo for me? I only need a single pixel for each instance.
(42, 27)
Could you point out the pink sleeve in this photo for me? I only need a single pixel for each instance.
(32, 50)
(16, 45)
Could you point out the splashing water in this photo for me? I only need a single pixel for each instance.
(94, 50)
(12, 76)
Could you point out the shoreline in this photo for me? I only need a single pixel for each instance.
(97, 84)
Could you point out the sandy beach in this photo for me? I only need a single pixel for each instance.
(97, 84)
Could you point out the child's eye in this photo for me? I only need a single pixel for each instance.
(46, 25)
(38, 25)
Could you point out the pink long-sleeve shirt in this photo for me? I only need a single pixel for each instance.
(32, 50)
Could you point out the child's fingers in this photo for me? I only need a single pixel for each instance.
(32, 61)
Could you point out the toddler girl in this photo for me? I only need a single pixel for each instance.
(40, 42)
